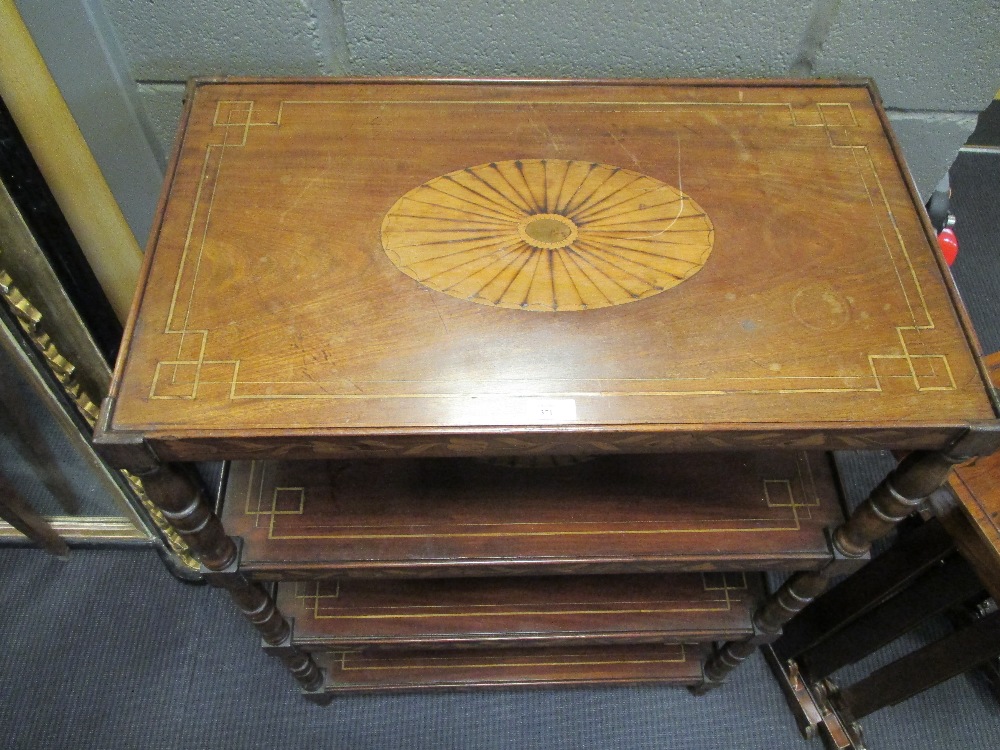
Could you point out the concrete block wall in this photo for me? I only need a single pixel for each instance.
(936, 62)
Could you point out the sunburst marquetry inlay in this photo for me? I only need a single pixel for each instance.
(547, 234)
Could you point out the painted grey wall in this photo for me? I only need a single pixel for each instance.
(173, 40)
(928, 57)
(616, 38)
(936, 62)
(934, 55)
(166, 43)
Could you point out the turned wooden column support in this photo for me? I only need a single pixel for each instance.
(902, 492)
(259, 608)
(179, 495)
(183, 502)
(176, 491)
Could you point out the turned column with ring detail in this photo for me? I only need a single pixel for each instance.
(180, 497)
(901, 493)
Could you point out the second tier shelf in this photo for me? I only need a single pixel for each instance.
(463, 517)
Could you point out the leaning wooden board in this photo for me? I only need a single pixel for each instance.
(455, 268)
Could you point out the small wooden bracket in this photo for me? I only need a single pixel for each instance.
(319, 696)
(285, 648)
(706, 684)
(230, 575)
(759, 637)
(811, 706)
(122, 450)
(841, 564)
(981, 439)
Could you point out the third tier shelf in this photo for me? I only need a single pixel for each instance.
(521, 611)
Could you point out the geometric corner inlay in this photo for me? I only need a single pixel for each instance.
(175, 379)
(289, 500)
(780, 493)
(547, 235)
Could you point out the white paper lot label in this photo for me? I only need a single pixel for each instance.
(518, 410)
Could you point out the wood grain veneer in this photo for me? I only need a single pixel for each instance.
(380, 297)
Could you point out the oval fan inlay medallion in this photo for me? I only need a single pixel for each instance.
(547, 234)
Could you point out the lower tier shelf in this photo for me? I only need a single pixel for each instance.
(466, 669)
(466, 517)
(521, 612)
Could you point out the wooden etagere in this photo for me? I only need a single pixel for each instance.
(528, 382)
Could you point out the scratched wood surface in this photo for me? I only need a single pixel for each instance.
(336, 261)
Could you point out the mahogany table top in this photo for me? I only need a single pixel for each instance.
(460, 267)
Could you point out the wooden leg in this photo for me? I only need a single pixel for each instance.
(259, 608)
(185, 505)
(781, 606)
(961, 618)
(899, 494)
(178, 494)
(15, 511)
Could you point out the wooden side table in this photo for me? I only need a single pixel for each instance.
(542, 332)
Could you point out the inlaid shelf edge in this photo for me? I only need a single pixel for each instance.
(351, 672)
(348, 615)
(466, 517)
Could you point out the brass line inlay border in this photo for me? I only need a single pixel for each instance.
(725, 604)
(582, 660)
(799, 506)
(244, 111)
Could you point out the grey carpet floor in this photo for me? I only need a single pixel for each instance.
(108, 651)
(127, 657)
